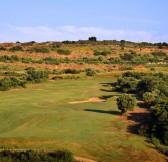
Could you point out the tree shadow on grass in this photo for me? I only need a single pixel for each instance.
(141, 118)
(107, 90)
(108, 84)
(106, 97)
(104, 111)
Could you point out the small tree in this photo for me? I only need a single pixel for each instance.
(5, 84)
(93, 39)
(90, 72)
(149, 98)
(159, 121)
(126, 102)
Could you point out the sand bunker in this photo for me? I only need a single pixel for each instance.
(80, 159)
(94, 99)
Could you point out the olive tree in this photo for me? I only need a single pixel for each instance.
(159, 120)
(126, 102)
(149, 98)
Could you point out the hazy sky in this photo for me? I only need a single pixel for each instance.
(57, 20)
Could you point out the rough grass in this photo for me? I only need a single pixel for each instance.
(40, 117)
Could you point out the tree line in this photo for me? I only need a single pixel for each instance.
(153, 90)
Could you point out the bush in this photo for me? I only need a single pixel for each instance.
(11, 82)
(5, 84)
(103, 53)
(2, 48)
(155, 141)
(65, 156)
(56, 45)
(18, 82)
(36, 76)
(90, 72)
(149, 98)
(71, 71)
(127, 84)
(50, 60)
(40, 50)
(126, 102)
(159, 121)
(143, 130)
(63, 52)
(6, 58)
(159, 54)
(136, 75)
(163, 150)
(127, 57)
(34, 156)
(16, 48)
(69, 76)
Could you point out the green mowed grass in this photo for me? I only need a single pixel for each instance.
(40, 117)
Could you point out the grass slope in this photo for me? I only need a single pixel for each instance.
(41, 117)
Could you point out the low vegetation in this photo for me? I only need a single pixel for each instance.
(34, 156)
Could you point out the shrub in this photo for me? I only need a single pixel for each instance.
(5, 84)
(136, 75)
(103, 53)
(69, 76)
(70, 71)
(90, 60)
(12, 82)
(50, 60)
(147, 84)
(6, 58)
(63, 52)
(34, 156)
(126, 102)
(159, 54)
(127, 57)
(149, 98)
(133, 52)
(127, 84)
(90, 72)
(28, 43)
(143, 130)
(2, 48)
(159, 121)
(155, 141)
(36, 76)
(15, 58)
(17, 82)
(56, 45)
(163, 149)
(65, 156)
(40, 50)
(16, 48)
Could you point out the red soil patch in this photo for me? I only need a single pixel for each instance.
(140, 67)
